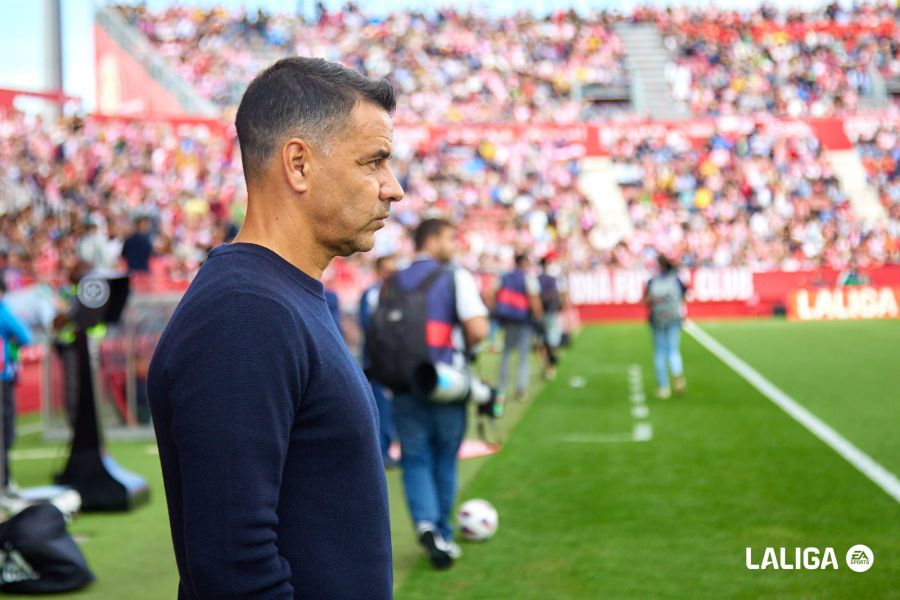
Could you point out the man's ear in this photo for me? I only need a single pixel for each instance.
(295, 162)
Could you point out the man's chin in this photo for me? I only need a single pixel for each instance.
(364, 243)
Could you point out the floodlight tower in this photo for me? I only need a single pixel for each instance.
(53, 64)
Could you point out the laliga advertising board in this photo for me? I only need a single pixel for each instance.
(846, 303)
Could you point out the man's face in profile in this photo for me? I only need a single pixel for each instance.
(354, 186)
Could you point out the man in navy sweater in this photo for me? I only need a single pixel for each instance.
(266, 425)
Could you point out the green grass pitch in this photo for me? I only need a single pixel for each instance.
(585, 514)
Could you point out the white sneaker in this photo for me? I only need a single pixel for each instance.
(434, 545)
(453, 550)
(663, 393)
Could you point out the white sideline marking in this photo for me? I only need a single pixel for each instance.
(29, 429)
(642, 432)
(37, 453)
(597, 438)
(48, 453)
(611, 368)
(577, 382)
(864, 463)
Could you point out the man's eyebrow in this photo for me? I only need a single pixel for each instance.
(377, 155)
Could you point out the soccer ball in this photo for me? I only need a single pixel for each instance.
(477, 520)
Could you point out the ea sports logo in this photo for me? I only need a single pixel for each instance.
(93, 293)
(860, 558)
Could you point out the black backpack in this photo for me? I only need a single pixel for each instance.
(395, 339)
(37, 555)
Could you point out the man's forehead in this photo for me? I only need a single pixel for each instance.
(372, 122)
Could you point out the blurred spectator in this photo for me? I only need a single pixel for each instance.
(138, 247)
(517, 306)
(13, 335)
(664, 297)
(94, 248)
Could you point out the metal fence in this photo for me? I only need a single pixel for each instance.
(120, 361)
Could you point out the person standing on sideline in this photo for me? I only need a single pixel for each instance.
(266, 425)
(517, 304)
(430, 434)
(552, 302)
(385, 266)
(138, 247)
(93, 248)
(665, 298)
(13, 335)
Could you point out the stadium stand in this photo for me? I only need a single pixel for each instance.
(766, 200)
(815, 63)
(761, 199)
(449, 67)
(71, 188)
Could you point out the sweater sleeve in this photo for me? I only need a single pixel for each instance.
(234, 386)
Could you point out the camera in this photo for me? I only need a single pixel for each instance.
(444, 384)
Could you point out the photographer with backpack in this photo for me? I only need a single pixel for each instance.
(429, 313)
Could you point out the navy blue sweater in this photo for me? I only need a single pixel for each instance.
(267, 433)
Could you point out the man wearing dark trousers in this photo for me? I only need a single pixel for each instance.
(517, 305)
(266, 425)
(431, 434)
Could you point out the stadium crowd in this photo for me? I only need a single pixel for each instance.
(879, 151)
(796, 63)
(465, 67)
(449, 67)
(767, 199)
(71, 189)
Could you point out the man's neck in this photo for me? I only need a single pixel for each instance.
(288, 238)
